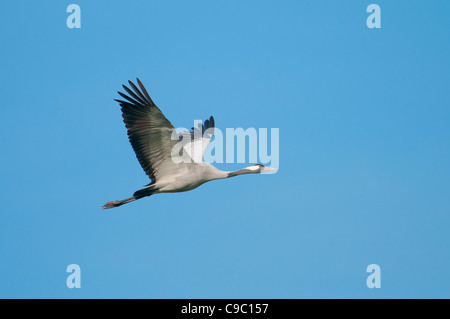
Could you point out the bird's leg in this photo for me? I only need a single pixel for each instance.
(112, 204)
(117, 203)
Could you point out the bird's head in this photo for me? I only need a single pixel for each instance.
(259, 168)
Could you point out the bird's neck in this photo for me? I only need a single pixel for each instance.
(240, 172)
(212, 173)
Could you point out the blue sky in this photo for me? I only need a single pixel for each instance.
(364, 149)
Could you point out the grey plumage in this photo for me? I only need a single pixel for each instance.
(152, 137)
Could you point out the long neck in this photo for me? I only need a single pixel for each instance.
(240, 172)
(210, 172)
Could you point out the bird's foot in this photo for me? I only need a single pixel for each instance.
(111, 204)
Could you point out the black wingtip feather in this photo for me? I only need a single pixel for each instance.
(121, 102)
(135, 89)
(149, 99)
(126, 97)
(134, 96)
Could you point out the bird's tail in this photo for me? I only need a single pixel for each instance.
(117, 203)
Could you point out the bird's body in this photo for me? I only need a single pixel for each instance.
(191, 176)
(154, 140)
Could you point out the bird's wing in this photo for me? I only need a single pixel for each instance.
(149, 131)
(196, 140)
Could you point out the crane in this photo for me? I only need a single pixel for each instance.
(152, 137)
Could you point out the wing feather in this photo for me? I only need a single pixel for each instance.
(149, 132)
(197, 139)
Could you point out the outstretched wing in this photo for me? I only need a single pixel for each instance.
(196, 140)
(149, 131)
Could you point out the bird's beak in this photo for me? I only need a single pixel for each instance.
(266, 169)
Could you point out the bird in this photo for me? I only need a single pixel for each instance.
(154, 139)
